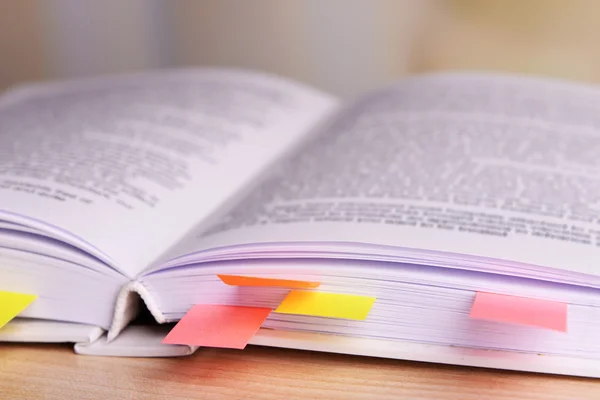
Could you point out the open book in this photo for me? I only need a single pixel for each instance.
(135, 191)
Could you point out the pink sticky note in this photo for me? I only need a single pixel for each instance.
(218, 326)
(520, 310)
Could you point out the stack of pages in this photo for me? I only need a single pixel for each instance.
(449, 217)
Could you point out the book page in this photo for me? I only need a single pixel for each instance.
(483, 165)
(123, 167)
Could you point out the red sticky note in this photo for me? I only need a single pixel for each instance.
(218, 326)
(520, 310)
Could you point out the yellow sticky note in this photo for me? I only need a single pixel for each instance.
(11, 304)
(332, 305)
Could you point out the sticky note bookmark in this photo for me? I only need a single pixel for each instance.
(218, 326)
(520, 310)
(237, 280)
(11, 304)
(332, 305)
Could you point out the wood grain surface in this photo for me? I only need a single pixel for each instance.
(55, 372)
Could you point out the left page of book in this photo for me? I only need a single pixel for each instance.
(122, 167)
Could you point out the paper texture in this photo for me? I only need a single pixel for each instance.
(238, 280)
(485, 166)
(520, 310)
(148, 148)
(332, 305)
(218, 326)
(11, 304)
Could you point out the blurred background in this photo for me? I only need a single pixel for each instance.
(342, 46)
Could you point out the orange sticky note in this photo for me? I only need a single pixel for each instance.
(520, 310)
(236, 280)
(218, 326)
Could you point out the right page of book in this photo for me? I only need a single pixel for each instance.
(493, 166)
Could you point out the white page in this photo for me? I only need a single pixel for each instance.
(484, 165)
(125, 166)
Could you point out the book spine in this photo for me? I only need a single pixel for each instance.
(128, 306)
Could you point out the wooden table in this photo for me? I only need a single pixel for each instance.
(55, 372)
